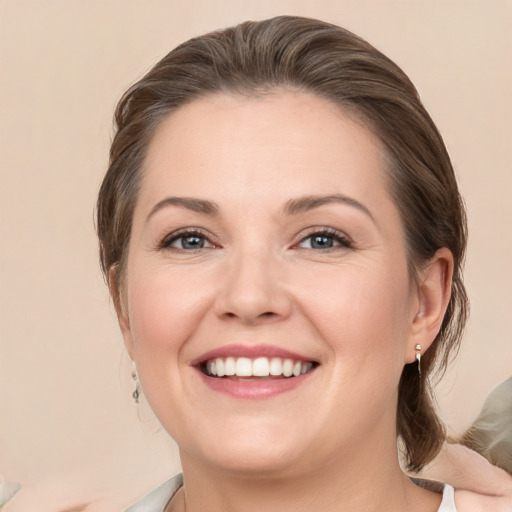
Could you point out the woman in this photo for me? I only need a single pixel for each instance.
(283, 238)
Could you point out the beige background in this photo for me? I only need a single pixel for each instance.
(68, 427)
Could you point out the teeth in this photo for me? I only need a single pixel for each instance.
(276, 366)
(243, 367)
(211, 368)
(230, 366)
(287, 367)
(305, 368)
(259, 367)
(219, 364)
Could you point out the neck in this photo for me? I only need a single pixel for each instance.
(354, 482)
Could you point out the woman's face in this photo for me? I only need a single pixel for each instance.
(264, 242)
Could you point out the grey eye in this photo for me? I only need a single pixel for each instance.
(186, 241)
(321, 241)
(190, 242)
(325, 240)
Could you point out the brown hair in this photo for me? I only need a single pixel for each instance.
(332, 63)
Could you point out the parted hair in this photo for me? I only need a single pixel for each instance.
(311, 56)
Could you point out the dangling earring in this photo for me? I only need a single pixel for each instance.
(137, 392)
(418, 357)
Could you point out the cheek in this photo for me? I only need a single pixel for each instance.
(362, 313)
(368, 337)
(164, 308)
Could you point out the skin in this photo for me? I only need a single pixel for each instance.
(258, 279)
(480, 486)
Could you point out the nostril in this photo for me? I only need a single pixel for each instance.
(267, 314)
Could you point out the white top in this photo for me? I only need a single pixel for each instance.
(157, 499)
(448, 503)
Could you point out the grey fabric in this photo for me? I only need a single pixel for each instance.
(157, 499)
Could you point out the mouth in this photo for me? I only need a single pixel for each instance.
(253, 372)
(255, 369)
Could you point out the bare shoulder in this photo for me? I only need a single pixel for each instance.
(468, 501)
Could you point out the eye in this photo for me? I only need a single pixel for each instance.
(325, 239)
(186, 241)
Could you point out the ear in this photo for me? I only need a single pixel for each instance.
(116, 293)
(433, 292)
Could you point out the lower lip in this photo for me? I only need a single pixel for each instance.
(254, 389)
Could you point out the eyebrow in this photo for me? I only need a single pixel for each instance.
(306, 203)
(196, 205)
(292, 207)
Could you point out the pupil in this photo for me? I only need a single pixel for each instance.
(192, 242)
(322, 242)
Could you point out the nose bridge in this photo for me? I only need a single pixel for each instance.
(252, 287)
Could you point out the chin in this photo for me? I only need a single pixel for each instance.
(255, 464)
(253, 452)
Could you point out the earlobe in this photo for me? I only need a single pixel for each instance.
(433, 293)
(121, 310)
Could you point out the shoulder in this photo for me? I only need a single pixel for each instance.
(468, 501)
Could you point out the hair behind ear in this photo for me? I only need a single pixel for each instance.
(420, 429)
(115, 285)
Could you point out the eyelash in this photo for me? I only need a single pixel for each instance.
(173, 237)
(337, 236)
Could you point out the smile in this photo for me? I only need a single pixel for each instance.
(253, 371)
(261, 367)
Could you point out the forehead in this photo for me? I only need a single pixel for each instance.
(281, 145)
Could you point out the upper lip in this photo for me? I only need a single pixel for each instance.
(251, 352)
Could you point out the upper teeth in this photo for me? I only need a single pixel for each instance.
(259, 367)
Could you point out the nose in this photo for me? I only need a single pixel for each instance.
(252, 290)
